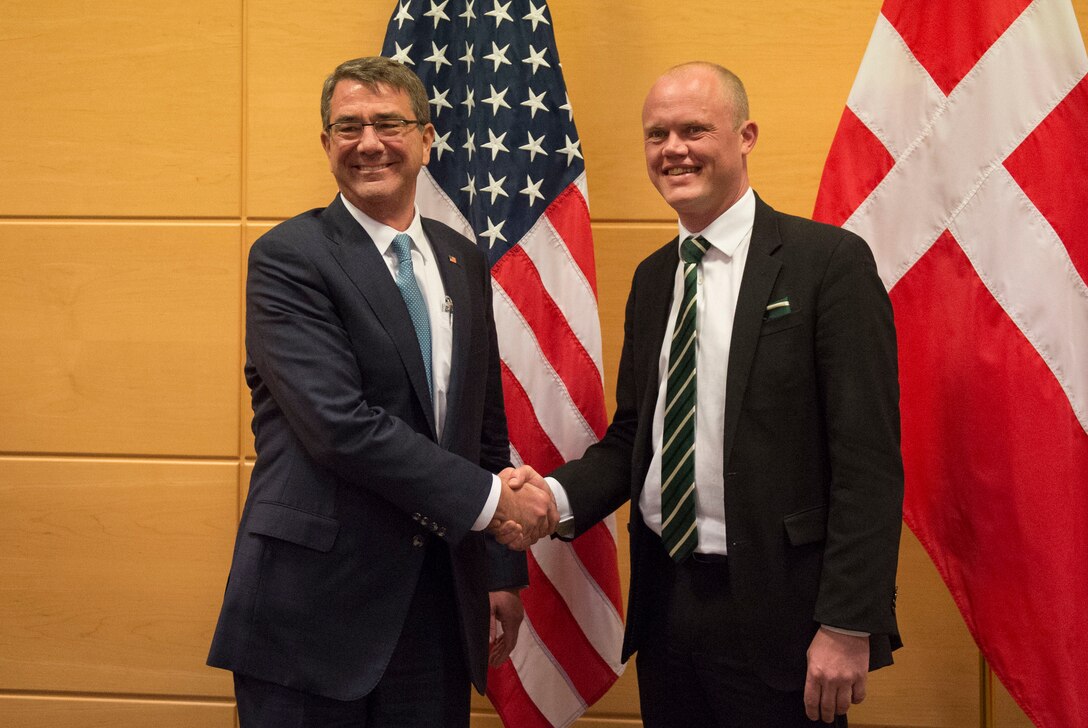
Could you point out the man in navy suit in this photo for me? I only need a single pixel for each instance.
(359, 590)
(766, 482)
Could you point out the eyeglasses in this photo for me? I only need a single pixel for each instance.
(352, 131)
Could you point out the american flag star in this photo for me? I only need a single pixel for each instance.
(519, 89)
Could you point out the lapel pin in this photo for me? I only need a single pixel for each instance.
(453, 259)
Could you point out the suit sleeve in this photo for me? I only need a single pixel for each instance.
(859, 388)
(299, 346)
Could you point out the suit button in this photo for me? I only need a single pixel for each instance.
(416, 516)
(424, 521)
(434, 527)
(417, 540)
(441, 533)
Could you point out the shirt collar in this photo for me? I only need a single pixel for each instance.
(383, 235)
(731, 228)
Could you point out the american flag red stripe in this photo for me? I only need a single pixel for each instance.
(961, 158)
(531, 441)
(512, 703)
(588, 547)
(555, 624)
(520, 279)
(506, 170)
(569, 215)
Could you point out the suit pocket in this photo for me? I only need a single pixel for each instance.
(290, 524)
(780, 323)
(807, 526)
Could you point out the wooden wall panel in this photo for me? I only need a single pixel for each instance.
(126, 335)
(292, 48)
(123, 108)
(797, 82)
(58, 712)
(251, 233)
(1006, 712)
(934, 682)
(245, 472)
(113, 574)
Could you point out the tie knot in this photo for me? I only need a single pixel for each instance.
(402, 245)
(693, 249)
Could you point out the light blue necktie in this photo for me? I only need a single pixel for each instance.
(413, 298)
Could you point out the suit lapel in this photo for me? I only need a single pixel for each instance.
(358, 256)
(457, 294)
(760, 273)
(652, 316)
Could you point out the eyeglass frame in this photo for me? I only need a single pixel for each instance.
(400, 130)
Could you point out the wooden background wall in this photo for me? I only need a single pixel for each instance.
(143, 146)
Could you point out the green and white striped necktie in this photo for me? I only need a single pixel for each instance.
(678, 531)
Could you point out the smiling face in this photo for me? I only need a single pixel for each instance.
(377, 175)
(696, 152)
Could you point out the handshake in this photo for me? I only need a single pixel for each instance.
(526, 512)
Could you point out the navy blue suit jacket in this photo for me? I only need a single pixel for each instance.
(350, 481)
(813, 472)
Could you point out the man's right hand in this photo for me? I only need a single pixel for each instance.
(526, 511)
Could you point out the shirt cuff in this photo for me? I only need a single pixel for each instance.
(490, 505)
(565, 527)
(840, 630)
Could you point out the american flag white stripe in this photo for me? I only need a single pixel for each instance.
(593, 610)
(557, 342)
(561, 419)
(431, 198)
(566, 283)
(544, 681)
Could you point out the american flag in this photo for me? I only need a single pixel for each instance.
(506, 169)
(961, 158)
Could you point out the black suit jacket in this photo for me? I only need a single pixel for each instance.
(350, 483)
(813, 472)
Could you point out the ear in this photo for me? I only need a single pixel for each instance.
(326, 142)
(749, 132)
(428, 140)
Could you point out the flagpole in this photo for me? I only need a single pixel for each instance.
(986, 693)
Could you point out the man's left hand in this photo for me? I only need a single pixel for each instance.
(838, 667)
(506, 615)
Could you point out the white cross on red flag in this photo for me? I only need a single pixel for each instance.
(962, 157)
(506, 169)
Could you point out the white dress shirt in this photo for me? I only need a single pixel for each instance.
(719, 276)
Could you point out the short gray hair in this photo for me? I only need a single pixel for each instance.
(376, 71)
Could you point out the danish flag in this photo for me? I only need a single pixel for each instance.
(962, 157)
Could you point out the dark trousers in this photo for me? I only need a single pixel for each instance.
(425, 685)
(694, 669)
